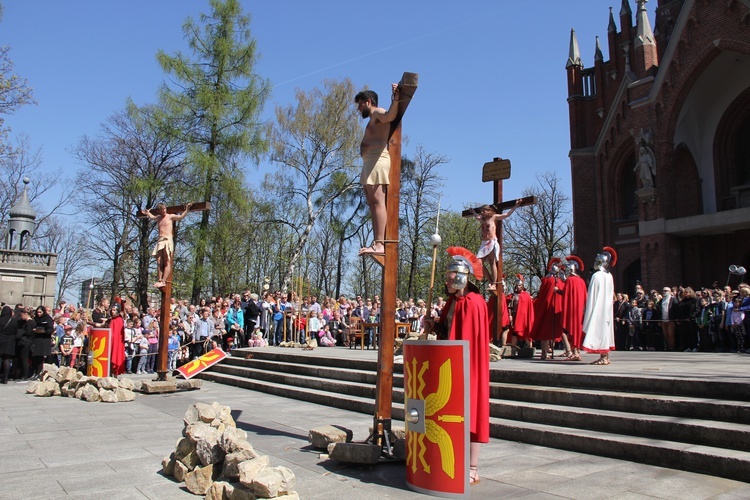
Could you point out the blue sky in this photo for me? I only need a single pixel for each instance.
(492, 78)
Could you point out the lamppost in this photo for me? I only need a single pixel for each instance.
(91, 290)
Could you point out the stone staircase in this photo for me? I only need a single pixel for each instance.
(681, 423)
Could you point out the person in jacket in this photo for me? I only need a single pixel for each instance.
(8, 330)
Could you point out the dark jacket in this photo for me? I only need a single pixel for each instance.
(8, 331)
(45, 327)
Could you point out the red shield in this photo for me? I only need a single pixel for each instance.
(197, 365)
(436, 385)
(99, 348)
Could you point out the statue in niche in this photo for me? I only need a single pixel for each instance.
(646, 164)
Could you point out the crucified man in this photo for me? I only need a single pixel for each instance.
(489, 251)
(376, 161)
(164, 250)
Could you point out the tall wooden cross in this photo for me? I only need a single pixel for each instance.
(496, 171)
(389, 262)
(166, 292)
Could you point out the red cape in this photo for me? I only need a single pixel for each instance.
(548, 311)
(573, 305)
(470, 322)
(117, 337)
(504, 318)
(524, 320)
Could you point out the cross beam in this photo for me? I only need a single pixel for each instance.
(501, 205)
(166, 292)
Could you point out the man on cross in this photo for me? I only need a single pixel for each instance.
(376, 161)
(489, 251)
(164, 249)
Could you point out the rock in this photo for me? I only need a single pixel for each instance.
(65, 374)
(57, 391)
(233, 439)
(47, 388)
(198, 481)
(292, 495)
(219, 491)
(273, 481)
(78, 376)
(82, 380)
(208, 448)
(69, 392)
(189, 385)
(240, 492)
(107, 396)
(495, 357)
(79, 393)
(354, 453)
(224, 414)
(232, 461)
(31, 387)
(127, 383)
(180, 471)
(321, 437)
(249, 469)
(50, 370)
(191, 460)
(397, 432)
(93, 381)
(124, 395)
(495, 349)
(183, 447)
(90, 393)
(199, 412)
(167, 465)
(137, 385)
(158, 386)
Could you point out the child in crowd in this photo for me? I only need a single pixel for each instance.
(78, 345)
(142, 343)
(66, 348)
(129, 350)
(325, 337)
(172, 347)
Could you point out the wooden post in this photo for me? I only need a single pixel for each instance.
(166, 295)
(497, 328)
(384, 386)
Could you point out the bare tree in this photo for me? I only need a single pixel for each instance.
(14, 93)
(538, 232)
(315, 143)
(74, 254)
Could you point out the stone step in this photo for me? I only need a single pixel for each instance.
(678, 406)
(718, 388)
(731, 464)
(712, 433)
(313, 395)
(350, 372)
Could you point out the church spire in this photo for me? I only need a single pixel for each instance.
(574, 55)
(612, 26)
(644, 34)
(598, 56)
(625, 9)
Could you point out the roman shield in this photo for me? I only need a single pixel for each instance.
(436, 385)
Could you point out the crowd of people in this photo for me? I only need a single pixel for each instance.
(671, 318)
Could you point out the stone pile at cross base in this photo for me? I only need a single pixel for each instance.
(214, 458)
(69, 382)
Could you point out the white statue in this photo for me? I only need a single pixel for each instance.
(646, 164)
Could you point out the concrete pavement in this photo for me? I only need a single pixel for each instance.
(62, 448)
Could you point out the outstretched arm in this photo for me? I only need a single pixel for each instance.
(389, 115)
(183, 214)
(499, 217)
(149, 214)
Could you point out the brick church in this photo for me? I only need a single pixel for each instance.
(660, 143)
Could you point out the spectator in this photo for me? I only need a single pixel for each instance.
(667, 308)
(8, 331)
(172, 347)
(66, 349)
(41, 348)
(635, 324)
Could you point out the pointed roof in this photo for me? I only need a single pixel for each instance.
(645, 36)
(625, 9)
(598, 51)
(23, 207)
(612, 26)
(574, 55)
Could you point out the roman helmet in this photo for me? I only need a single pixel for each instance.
(463, 262)
(574, 264)
(606, 259)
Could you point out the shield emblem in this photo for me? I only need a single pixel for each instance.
(99, 348)
(436, 385)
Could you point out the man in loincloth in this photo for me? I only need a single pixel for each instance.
(376, 161)
(489, 250)
(164, 250)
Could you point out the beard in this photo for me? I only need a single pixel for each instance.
(365, 113)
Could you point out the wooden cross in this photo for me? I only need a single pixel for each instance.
(166, 291)
(389, 261)
(496, 171)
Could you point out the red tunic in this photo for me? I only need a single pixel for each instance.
(117, 337)
(470, 323)
(548, 311)
(524, 320)
(573, 305)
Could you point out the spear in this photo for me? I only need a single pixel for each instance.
(435, 240)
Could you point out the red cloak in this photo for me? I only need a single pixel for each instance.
(470, 322)
(573, 306)
(117, 337)
(548, 311)
(524, 320)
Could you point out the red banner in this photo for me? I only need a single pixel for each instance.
(436, 383)
(193, 368)
(100, 348)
